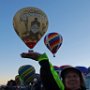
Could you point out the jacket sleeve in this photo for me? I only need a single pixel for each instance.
(49, 76)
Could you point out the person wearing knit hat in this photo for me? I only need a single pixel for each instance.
(73, 79)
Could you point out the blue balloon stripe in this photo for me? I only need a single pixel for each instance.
(48, 47)
(27, 71)
(29, 75)
(23, 68)
(53, 39)
(30, 79)
(59, 45)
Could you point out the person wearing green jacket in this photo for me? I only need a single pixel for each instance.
(49, 76)
(70, 79)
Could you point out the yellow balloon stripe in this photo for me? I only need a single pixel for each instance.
(26, 72)
(29, 79)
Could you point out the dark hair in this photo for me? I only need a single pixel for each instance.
(65, 71)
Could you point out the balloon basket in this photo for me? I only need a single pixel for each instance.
(30, 51)
(54, 55)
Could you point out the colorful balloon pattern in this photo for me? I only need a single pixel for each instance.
(27, 73)
(18, 80)
(83, 69)
(89, 69)
(53, 42)
(57, 69)
(30, 24)
(64, 66)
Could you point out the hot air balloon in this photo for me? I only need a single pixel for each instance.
(30, 24)
(89, 69)
(53, 42)
(87, 79)
(18, 80)
(27, 73)
(57, 69)
(83, 69)
(64, 66)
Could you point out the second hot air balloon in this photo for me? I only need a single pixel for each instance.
(53, 42)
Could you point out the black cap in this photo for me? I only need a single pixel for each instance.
(67, 70)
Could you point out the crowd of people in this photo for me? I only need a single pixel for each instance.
(70, 78)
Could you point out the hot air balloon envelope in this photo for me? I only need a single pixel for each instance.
(30, 24)
(64, 66)
(27, 73)
(53, 42)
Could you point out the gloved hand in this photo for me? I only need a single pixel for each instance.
(31, 54)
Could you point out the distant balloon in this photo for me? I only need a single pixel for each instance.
(17, 80)
(30, 24)
(27, 73)
(53, 42)
(57, 69)
(64, 66)
(83, 69)
(89, 69)
(88, 73)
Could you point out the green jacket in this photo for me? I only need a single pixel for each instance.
(49, 76)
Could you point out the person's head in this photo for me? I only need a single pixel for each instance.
(72, 79)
